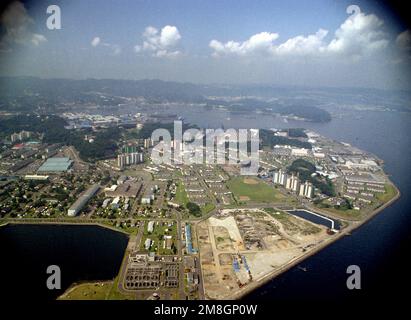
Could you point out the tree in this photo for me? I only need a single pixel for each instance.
(194, 209)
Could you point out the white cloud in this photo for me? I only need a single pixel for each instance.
(359, 35)
(160, 43)
(95, 42)
(115, 48)
(169, 36)
(303, 45)
(259, 43)
(17, 25)
(36, 39)
(403, 40)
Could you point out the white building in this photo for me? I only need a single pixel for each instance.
(299, 152)
(115, 203)
(150, 227)
(292, 183)
(306, 190)
(279, 177)
(105, 203)
(126, 159)
(77, 206)
(147, 244)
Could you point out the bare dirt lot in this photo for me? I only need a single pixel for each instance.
(250, 181)
(244, 246)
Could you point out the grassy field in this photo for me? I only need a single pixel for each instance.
(129, 230)
(157, 236)
(181, 195)
(207, 208)
(88, 291)
(251, 189)
(343, 213)
(390, 193)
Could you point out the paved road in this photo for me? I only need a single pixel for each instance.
(134, 243)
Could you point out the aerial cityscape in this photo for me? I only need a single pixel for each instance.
(193, 179)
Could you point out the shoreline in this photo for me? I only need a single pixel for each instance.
(344, 232)
(241, 293)
(98, 224)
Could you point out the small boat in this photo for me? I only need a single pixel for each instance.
(302, 268)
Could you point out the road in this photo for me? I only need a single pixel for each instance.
(133, 243)
(181, 291)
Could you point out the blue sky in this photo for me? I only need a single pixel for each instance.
(280, 42)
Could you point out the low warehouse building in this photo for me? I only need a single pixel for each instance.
(77, 206)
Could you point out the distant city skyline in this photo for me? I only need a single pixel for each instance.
(235, 42)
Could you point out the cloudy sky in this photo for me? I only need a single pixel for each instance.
(313, 43)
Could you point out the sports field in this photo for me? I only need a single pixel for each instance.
(251, 189)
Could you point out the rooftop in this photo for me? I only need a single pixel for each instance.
(56, 165)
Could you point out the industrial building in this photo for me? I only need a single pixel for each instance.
(56, 164)
(77, 206)
(130, 189)
(20, 165)
(189, 244)
(36, 177)
(148, 272)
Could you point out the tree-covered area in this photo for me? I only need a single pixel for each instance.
(309, 113)
(149, 127)
(30, 122)
(52, 127)
(296, 133)
(268, 139)
(305, 170)
(194, 209)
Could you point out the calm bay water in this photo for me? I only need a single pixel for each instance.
(82, 253)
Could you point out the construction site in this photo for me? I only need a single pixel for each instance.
(234, 243)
